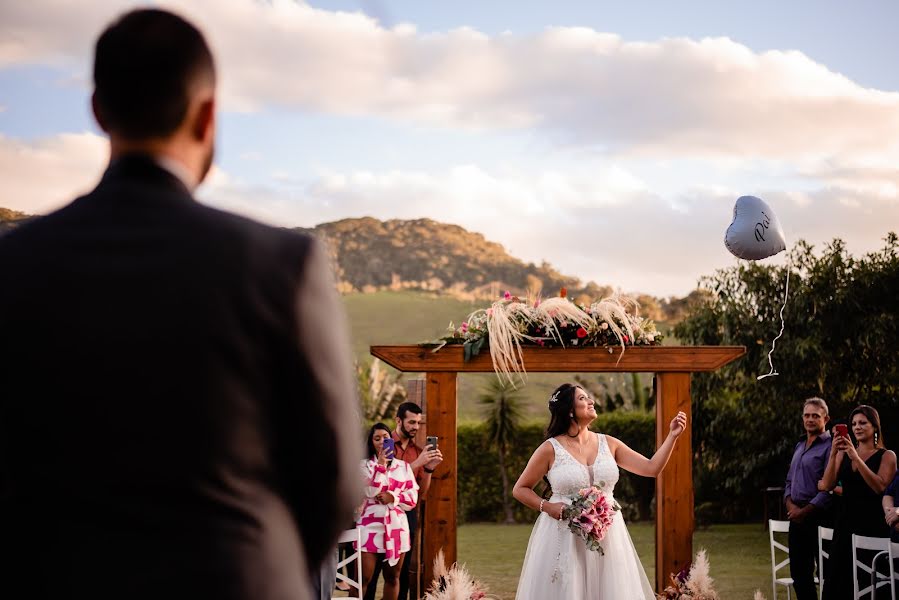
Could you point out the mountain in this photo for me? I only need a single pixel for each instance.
(423, 254)
(371, 255)
(10, 218)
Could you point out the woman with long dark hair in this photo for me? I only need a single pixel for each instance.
(390, 490)
(558, 564)
(864, 467)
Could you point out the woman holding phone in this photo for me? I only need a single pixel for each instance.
(864, 468)
(390, 490)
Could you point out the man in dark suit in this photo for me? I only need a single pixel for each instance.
(177, 410)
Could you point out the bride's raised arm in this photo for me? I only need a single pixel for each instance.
(633, 461)
(538, 466)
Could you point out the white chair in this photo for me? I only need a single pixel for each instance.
(351, 535)
(825, 534)
(775, 526)
(881, 548)
(894, 556)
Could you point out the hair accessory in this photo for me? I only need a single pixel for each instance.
(554, 397)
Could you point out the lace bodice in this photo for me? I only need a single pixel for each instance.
(567, 475)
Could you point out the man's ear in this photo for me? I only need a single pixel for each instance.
(203, 126)
(98, 113)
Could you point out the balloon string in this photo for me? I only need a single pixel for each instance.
(772, 372)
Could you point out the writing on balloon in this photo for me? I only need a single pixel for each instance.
(761, 227)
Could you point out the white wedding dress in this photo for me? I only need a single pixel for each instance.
(558, 565)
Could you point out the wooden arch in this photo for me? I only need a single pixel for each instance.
(672, 366)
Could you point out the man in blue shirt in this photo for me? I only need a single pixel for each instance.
(891, 507)
(806, 506)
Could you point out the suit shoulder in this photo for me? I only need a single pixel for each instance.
(235, 224)
(35, 227)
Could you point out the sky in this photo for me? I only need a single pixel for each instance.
(610, 139)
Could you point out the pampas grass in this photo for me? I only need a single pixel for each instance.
(695, 585)
(454, 583)
(509, 323)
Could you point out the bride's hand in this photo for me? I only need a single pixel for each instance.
(679, 424)
(554, 509)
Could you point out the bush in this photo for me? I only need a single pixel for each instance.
(480, 489)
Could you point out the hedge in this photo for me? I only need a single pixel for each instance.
(480, 485)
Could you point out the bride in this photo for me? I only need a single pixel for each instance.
(557, 563)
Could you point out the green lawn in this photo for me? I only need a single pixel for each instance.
(739, 556)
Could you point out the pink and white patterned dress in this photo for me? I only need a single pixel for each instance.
(385, 529)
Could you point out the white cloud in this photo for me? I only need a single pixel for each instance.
(45, 174)
(599, 222)
(670, 97)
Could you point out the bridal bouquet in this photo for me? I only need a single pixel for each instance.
(590, 515)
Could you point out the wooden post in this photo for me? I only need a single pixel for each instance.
(674, 487)
(415, 392)
(440, 507)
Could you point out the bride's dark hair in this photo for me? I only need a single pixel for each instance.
(561, 406)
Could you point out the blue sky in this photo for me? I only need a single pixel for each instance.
(610, 139)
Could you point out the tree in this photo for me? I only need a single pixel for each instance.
(841, 342)
(502, 412)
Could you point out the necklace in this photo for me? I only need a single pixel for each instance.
(577, 454)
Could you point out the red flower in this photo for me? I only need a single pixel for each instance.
(581, 332)
(563, 292)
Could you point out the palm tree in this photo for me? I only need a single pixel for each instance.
(502, 412)
(380, 390)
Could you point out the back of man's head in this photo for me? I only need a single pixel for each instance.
(146, 66)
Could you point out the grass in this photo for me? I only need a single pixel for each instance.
(739, 556)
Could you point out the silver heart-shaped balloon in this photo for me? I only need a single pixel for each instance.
(755, 233)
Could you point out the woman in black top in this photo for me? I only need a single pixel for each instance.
(864, 469)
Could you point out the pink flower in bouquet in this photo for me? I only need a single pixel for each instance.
(507, 295)
(464, 326)
(590, 515)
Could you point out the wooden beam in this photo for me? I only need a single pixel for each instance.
(674, 487)
(440, 507)
(636, 359)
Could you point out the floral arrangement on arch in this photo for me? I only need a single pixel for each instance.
(510, 323)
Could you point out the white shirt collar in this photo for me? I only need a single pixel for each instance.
(177, 169)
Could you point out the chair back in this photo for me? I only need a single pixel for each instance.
(775, 526)
(354, 559)
(894, 556)
(880, 547)
(825, 534)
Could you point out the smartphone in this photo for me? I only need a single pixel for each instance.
(841, 429)
(431, 442)
(389, 448)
